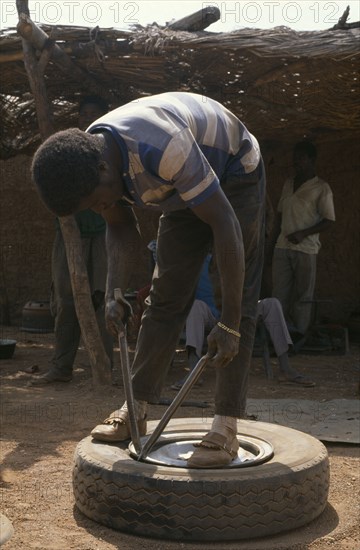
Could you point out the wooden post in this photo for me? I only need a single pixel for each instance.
(100, 363)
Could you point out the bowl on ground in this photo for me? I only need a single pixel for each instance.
(7, 348)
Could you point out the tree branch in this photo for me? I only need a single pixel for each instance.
(39, 40)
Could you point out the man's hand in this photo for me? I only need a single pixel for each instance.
(115, 317)
(296, 237)
(299, 236)
(118, 311)
(222, 347)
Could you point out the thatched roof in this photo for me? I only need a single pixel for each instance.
(281, 83)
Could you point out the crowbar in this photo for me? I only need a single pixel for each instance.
(126, 373)
(189, 382)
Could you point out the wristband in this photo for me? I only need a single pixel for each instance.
(230, 330)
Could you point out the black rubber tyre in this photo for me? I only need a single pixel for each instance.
(6, 529)
(286, 492)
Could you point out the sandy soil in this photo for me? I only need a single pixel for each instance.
(41, 427)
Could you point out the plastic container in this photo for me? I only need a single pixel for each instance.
(36, 317)
(7, 348)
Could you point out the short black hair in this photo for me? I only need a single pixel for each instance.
(65, 169)
(97, 100)
(307, 147)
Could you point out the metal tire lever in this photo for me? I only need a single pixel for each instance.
(126, 373)
(189, 382)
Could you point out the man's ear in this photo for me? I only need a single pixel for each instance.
(103, 166)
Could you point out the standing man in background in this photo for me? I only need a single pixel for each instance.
(305, 209)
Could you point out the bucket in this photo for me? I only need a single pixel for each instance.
(36, 317)
(7, 349)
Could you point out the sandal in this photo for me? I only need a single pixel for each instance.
(116, 428)
(214, 451)
(49, 377)
(299, 379)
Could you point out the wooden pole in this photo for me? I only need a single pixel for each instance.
(99, 361)
(35, 68)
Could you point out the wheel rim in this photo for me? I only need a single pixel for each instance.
(174, 449)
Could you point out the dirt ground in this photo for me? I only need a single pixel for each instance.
(41, 427)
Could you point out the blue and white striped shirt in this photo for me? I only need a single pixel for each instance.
(176, 146)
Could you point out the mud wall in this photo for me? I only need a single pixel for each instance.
(27, 232)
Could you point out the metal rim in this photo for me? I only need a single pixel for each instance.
(174, 449)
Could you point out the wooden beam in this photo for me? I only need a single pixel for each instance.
(100, 363)
(197, 21)
(342, 22)
(81, 50)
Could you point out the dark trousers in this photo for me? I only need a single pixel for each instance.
(183, 242)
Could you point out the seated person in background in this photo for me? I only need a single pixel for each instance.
(204, 315)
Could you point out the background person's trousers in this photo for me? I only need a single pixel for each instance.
(199, 321)
(270, 311)
(183, 242)
(294, 276)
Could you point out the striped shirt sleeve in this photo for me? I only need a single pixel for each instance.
(184, 164)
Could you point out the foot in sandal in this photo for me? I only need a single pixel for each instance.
(219, 447)
(117, 426)
(214, 451)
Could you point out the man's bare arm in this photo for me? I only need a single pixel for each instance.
(123, 243)
(298, 236)
(229, 250)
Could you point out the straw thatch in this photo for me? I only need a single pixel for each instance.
(283, 84)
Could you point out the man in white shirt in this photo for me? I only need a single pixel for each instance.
(305, 209)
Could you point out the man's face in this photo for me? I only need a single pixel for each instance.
(88, 114)
(106, 194)
(302, 162)
(100, 200)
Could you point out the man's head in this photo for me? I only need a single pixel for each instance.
(91, 107)
(304, 157)
(65, 169)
